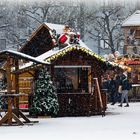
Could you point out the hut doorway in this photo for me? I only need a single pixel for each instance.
(72, 79)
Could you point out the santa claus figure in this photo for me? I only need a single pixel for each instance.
(69, 36)
(63, 38)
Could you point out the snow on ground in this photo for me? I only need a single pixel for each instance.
(120, 123)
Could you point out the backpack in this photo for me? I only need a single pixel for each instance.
(129, 86)
(126, 85)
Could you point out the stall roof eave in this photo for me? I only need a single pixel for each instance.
(54, 54)
(19, 55)
(26, 69)
(133, 20)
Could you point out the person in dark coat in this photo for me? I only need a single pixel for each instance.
(114, 83)
(112, 90)
(117, 82)
(126, 85)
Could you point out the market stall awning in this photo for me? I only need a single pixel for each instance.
(19, 55)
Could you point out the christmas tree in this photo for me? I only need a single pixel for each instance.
(45, 100)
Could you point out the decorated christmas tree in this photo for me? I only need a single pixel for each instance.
(45, 100)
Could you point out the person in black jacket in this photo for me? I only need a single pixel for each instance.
(126, 86)
(113, 88)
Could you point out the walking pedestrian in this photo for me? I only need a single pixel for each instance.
(113, 86)
(126, 85)
(112, 89)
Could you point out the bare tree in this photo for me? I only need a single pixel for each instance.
(102, 24)
(15, 22)
(57, 12)
(106, 26)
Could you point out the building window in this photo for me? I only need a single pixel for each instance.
(72, 79)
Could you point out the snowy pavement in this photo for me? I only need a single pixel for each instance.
(120, 123)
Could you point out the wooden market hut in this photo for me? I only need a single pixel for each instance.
(11, 93)
(75, 70)
(131, 27)
(22, 84)
(133, 65)
(131, 56)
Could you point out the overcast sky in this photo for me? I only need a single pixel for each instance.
(91, 1)
(88, 2)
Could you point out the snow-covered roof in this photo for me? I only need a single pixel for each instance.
(133, 20)
(52, 55)
(21, 55)
(58, 27)
(55, 53)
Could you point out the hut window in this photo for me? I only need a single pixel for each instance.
(72, 79)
